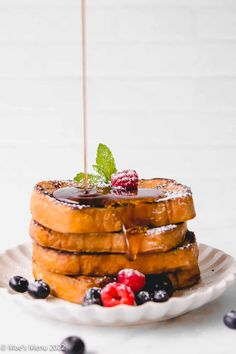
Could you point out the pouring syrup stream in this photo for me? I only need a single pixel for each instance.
(92, 197)
(84, 92)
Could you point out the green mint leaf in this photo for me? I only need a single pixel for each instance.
(105, 162)
(93, 180)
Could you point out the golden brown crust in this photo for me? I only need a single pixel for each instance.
(73, 288)
(160, 239)
(175, 206)
(184, 256)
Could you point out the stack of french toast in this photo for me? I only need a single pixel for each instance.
(83, 241)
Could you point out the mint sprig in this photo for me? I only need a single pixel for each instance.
(105, 166)
(105, 162)
(93, 180)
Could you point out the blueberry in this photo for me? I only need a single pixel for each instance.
(164, 283)
(161, 296)
(19, 284)
(39, 289)
(159, 282)
(230, 319)
(150, 282)
(92, 297)
(73, 345)
(142, 297)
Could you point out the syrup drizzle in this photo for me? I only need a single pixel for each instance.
(84, 91)
(131, 244)
(92, 197)
(127, 245)
(105, 197)
(108, 196)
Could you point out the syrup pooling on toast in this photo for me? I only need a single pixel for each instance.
(77, 195)
(103, 197)
(74, 217)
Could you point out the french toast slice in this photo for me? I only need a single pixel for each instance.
(99, 264)
(167, 202)
(73, 289)
(136, 241)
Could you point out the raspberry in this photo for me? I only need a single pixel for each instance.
(132, 278)
(114, 294)
(127, 179)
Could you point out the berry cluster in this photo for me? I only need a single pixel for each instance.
(131, 287)
(38, 290)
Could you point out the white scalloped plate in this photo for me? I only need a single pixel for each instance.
(217, 273)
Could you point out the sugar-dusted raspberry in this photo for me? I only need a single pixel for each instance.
(114, 294)
(127, 179)
(132, 278)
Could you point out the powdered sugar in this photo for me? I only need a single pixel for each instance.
(162, 229)
(173, 191)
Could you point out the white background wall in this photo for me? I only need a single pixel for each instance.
(162, 95)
